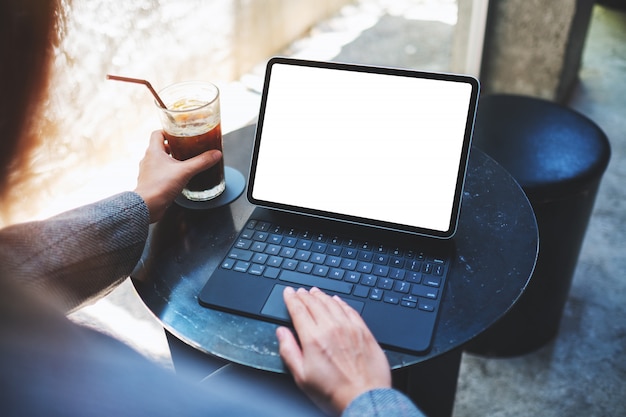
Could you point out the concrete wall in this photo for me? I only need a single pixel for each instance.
(469, 36)
(265, 27)
(534, 47)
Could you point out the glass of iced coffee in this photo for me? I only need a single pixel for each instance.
(191, 125)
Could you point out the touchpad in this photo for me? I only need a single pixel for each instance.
(275, 305)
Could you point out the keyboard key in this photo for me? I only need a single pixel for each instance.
(320, 270)
(349, 253)
(414, 277)
(275, 239)
(271, 273)
(241, 266)
(414, 265)
(349, 264)
(351, 243)
(289, 242)
(397, 262)
(290, 264)
(303, 255)
(243, 244)
(261, 236)
(256, 269)
(377, 294)
(380, 270)
(432, 281)
(304, 244)
(391, 298)
(333, 250)
(333, 261)
(243, 255)
(319, 237)
(260, 258)
(381, 259)
(319, 247)
(228, 263)
(287, 252)
(246, 234)
(385, 283)
(426, 292)
(273, 249)
(313, 281)
(361, 291)
(336, 273)
(426, 305)
(258, 246)
(410, 298)
(263, 226)
(397, 273)
(353, 277)
(402, 287)
(305, 267)
(364, 267)
(369, 280)
(275, 261)
(318, 258)
(365, 256)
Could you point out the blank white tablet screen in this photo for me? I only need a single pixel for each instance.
(373, 146)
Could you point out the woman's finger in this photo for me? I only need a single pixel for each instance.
(290, 352)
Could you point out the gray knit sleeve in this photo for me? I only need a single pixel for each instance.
(79, 255)
(382, 402)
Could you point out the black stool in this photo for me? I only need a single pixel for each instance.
(558, 156)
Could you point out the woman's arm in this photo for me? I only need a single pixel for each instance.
(82, 254)
(382, 402)
(78, 255)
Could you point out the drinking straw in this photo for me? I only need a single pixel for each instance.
(138, 81)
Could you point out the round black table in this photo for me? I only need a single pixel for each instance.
(496, 248)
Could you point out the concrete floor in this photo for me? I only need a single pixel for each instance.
(582, 372)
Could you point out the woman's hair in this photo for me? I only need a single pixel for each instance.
(28, 33)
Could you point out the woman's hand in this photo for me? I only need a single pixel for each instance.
(162, 178)
(338, 358)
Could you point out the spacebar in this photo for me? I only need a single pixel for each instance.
(313, 281)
